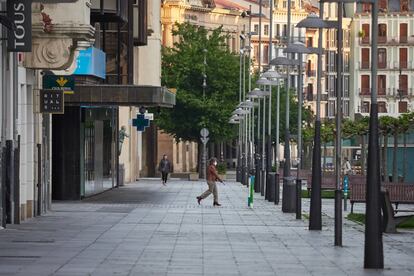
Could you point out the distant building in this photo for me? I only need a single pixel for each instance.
(395, 51)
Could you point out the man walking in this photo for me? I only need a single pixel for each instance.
(164, 168)
(212, 176)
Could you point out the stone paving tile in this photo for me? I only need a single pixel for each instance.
(148, 229)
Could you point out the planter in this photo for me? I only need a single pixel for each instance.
(193, 176)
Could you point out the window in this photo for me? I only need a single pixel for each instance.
(403, 32)
(402, 107)
(366, 7)
(284, 34)
(345, 108)
(292, 4)
(403, 84)
(266, 29)
(365, 85)
(346, 87)
(285, 4)
(382, 84)
(346, 62)
(256, 53)
(383, 5)
(404, 5)
(365, 33)
(265, 54)
(309, 42)
(382, 33)
(365, 107)
(403, 58)
(309, 94)
(331, 109)
(382, 58)
(382, 107)
(365, 58)
(331, 86)
(277, 30)
(256, 29)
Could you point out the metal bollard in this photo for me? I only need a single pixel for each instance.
(267, 187)
(298, 198)
(262, 182)
(271, 184)
(277, 190)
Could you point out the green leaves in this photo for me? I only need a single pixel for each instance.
(183, 68)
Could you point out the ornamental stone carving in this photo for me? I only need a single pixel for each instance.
(57, 34)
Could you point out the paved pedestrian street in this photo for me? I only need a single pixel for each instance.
(149, 229)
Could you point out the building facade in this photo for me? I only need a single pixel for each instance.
(395, 47)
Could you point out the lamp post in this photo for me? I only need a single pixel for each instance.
(258, 94)
(315, 213)
(288, 199)
(300, 49)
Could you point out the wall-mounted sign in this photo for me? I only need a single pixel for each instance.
(65, 83)
(51, 101)
(91, 62)
(20, 13)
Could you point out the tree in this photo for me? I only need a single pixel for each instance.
(183, 69)
(406, 123)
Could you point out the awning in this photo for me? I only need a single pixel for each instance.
(121, 95)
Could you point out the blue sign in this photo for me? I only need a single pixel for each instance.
(140, 122)
(91, 62)
(346, 184)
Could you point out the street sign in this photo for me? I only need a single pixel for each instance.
(204, 140)
(141, 123)
(51, 101)
(20, 13)
(65, 83)
(149, 116)
(204, 132)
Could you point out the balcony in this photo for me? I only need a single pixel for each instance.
(365, 91)
(382, 65)
(109, 10)
(364, 65)
(403, 39)
(382, 40)
(381, 91)
(365, 40)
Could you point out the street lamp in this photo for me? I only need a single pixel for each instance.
(288, 199)
(315, 213)
(300, 49)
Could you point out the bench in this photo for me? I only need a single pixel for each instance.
(399, 193)
(391, 221)
(328, 182)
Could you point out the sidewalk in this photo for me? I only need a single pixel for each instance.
(148, 229)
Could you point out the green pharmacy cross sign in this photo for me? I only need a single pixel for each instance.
(141, 123)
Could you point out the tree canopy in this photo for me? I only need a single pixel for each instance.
(183, 69)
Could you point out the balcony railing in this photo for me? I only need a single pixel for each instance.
(364, 65)
(365, 40)
(382, 65)
(382, 39)
(381, 91)
(365, 91)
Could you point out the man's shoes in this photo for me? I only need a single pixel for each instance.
(216, 204)
(199, 200)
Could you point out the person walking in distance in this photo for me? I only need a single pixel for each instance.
(347, 168)
(212, 177)
(164, 168)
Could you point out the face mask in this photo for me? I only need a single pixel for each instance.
(215, 163)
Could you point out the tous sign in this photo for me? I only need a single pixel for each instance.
(20, 13)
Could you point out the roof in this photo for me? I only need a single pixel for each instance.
(227, 4)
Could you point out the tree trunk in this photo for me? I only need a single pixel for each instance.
(394, 159)
(363, 154)
(384, 158)
(405, 156)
